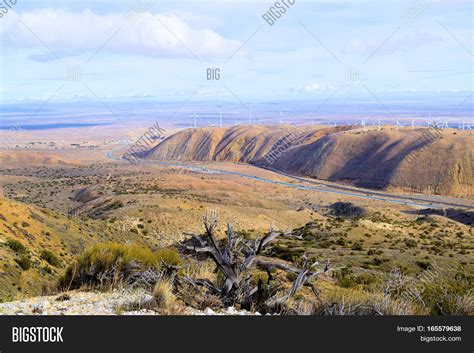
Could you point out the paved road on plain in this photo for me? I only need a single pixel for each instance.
(321, 186)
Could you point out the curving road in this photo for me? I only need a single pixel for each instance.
(322, 187)
(376, 193)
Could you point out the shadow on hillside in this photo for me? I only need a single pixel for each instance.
(367, 165)
(372, 168)
(462, 216)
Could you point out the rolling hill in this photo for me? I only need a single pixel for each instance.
(29, 158)
(421, 160)
(37, 244)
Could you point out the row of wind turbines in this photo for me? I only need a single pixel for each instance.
(251, 120)
(364, 123)
(430, 123)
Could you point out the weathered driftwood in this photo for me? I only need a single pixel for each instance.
(236, 257)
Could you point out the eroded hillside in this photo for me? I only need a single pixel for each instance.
(422, 160)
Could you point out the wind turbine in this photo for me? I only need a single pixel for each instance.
(433, 123)
(412, 124)
(362, 123)
(437, 124)
(250, 116)
(220, 118)
(281, 118)
(194, 120)
(399, 124)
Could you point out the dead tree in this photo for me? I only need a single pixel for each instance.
(235, 258)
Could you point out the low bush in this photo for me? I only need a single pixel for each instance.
(24, 262)
(47, 270)
(113, 265)
(424, 265)
(287, 253)
(347, 279)
(355, 302)
(434, 292)
(16, 246)
(448, 296)
(168, 256)
(411, 243)
(50, 258)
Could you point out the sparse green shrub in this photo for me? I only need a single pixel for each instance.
(116, 204)
(446, 295)
(50, 258)
(259, 277)
(168, 256)
(347, 279)
(380, 304)
(24, 262)
(287, 253)
(377, 261)
(403, 268)
(410, 243)
(114, 264)
(341, 242)
(365, 278)
(436, 291)
(47, 270)
(16, 246)
(424, 265)
(344, 277)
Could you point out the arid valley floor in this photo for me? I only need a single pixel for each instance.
(61, 196)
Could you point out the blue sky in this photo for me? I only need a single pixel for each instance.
(73, 50)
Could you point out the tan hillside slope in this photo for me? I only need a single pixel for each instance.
(381, 159)
(235, 144)
(29, 158)
(35, 246)
(421, 160)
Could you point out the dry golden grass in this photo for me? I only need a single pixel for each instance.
(163, 294)
(108, 265)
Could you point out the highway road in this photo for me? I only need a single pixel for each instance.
(321, 186)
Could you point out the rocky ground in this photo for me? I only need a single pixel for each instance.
(116, 302)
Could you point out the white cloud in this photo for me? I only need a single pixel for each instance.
(315, 87)
(86, 31)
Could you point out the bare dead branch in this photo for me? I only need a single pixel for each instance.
(274, 265)
(235, 262)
